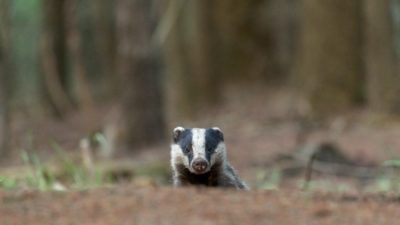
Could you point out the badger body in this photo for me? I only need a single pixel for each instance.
(198, 157)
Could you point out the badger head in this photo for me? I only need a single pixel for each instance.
(197, 149)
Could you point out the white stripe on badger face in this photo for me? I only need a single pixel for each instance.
(219, 154)
(199, 143)
(177, 157)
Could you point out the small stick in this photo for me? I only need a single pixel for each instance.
(309, 171)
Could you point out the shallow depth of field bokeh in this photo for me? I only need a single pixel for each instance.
(306, 93)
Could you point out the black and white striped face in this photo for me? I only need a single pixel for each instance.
(198, 149)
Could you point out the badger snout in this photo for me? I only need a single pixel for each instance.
(200, 165)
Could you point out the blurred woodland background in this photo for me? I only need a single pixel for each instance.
(133, 69)
(306, 92)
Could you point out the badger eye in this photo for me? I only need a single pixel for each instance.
(187, 149)
(209, 150)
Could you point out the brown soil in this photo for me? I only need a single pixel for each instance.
(133, 205)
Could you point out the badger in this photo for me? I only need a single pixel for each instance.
(198, 157)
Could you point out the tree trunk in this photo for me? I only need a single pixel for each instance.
(4, 119)
(104, 37)
(54, 24)
(139, 68)
(75, 50)
(383, 85)
(179, 87)
(192, 52)
(205, 55)
(282, 17)
(4, 79)
(53, 57)
(330, 55)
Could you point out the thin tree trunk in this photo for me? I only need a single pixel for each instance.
(4, 79)
(383, 85)
(4, 115)
(139, 68)
(4, 120)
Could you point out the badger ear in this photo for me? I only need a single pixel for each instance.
(219, 133)
(177, 133)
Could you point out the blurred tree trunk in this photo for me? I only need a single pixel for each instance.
(383, 85)
(4, 108)
(53, 56)
(179, 86)
(282, 17)
(4, 78)
(205, 55)
(139, 68)
(330, 55)
(192, 52)
(104, 37)
(76, 58)
(250, 51)
(54, 23)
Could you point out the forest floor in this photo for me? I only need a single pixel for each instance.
(167, 206)
(259, 132)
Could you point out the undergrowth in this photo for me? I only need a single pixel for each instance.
(70, 173)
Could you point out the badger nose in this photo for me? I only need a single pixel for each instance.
(199, 165)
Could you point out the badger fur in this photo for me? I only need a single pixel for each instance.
(198, 157)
